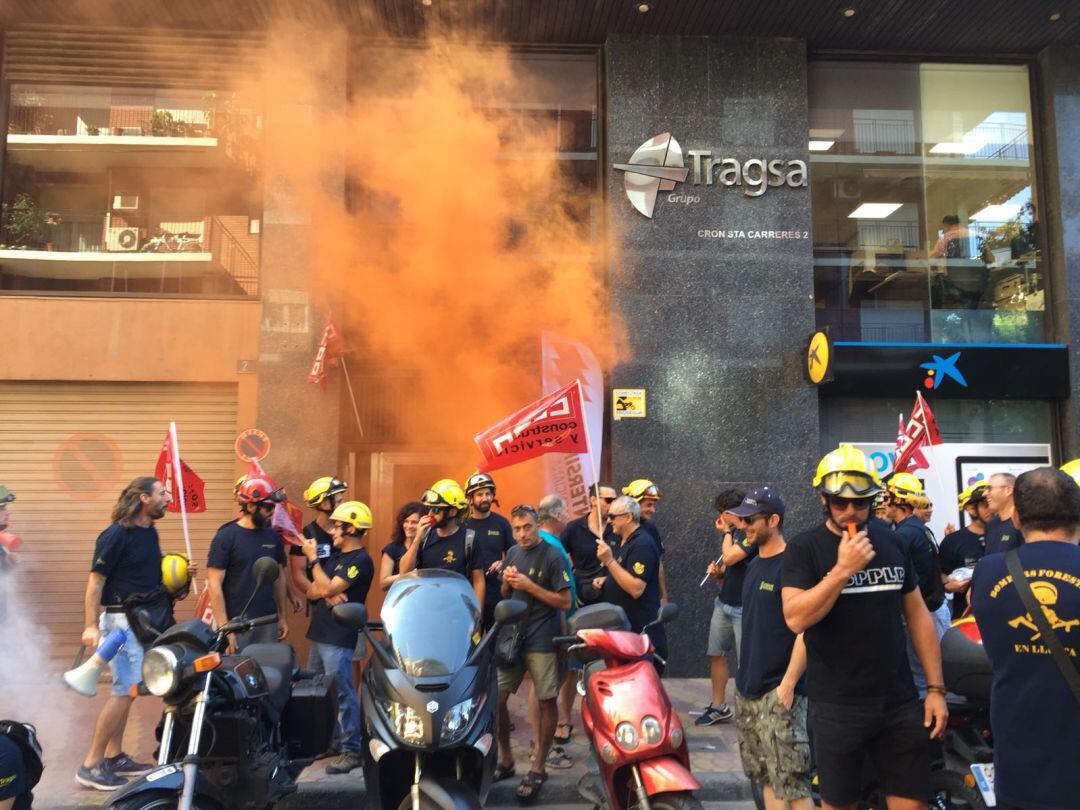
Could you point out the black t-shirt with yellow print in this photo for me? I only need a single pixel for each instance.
(448, 553)
(640, 556)
(356, 568)
(1032, 710)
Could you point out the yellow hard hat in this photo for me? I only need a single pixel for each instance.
(355, 513)
(847, 472)
(641, 489)
(174, 575)
(1072, 469)
(445, 492)
(323, 488)
(972, 495)
(905, 488)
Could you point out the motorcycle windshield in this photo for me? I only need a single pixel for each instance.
(432, 622)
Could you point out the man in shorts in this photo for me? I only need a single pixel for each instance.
(770, 706)
(533, 572)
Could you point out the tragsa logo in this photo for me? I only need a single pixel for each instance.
(938, 369)
(656, 165)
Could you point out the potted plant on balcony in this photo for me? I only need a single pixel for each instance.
(26, 225)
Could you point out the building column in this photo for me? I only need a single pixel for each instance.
(1059, 68)
(304, 176)
(716, 322)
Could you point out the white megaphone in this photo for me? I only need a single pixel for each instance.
(83, 679)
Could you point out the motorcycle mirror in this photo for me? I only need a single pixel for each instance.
(266, 570)
(509, 611)
(667, 613)
(350, 614)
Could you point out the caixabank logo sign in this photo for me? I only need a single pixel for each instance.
(658, 165)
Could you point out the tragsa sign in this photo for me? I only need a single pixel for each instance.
(658, 165)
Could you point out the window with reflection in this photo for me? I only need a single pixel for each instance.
(925, 214)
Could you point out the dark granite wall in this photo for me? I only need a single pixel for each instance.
(1059, 69)
(716, 326)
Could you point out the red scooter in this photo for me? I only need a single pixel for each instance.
(634, 732)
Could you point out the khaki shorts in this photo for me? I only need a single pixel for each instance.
(543, 669)
(773, 744)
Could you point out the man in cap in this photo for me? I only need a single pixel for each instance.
(960, 550)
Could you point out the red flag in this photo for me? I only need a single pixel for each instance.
(194, 488)
(921, 431)
(552, 424)
(203, 610)
(328, 353)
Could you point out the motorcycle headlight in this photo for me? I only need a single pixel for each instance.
(160, 671)
(456, 721)
(408, 726)
(626, 736)
(651, 730)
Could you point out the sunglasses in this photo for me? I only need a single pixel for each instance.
(434, 510)
(612, 515)
(612, 499)
(841, 502)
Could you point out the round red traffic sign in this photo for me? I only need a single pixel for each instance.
(88, 465)
(252, 445)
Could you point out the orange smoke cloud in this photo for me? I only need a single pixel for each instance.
(468, 236)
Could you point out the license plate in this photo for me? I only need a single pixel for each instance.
(984, 781)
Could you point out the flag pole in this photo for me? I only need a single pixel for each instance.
(592, 460)
(352, 397)
(178, 474)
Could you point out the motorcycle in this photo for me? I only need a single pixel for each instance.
(237, 730)
(633, 730)
(428, 695)
(969, 745)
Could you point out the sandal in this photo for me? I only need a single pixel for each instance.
(558, 738)
(558, 758)
(502, 772)
(530, 786)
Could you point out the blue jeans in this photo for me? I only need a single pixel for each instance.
(126, 666)
(940, 618)
(725, 629)
(329, 659)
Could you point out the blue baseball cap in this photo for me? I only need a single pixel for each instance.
(759, 501)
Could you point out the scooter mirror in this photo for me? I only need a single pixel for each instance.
(509, 611)
(350, 614)
(668, 613)
(266, 570)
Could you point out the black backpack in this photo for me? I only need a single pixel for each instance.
(24, 735)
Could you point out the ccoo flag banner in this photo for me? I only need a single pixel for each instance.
(553, 424)
(569, 475)
(921, 431)
(193, 486)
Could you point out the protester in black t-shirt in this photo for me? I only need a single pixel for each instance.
(231, 561)
(632, 580)
(127, 561)
(535, 573)
(960, 550)
(1001, 532)
(648, 495)
(323, 496)
(442, 540)
(406, 523)
(770, 703)
(1033, 711)
(348, 573)
(848, 585)
(15, 791)
(725, 626)
(579, 539)
(493, 538)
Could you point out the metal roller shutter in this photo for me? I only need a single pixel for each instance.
(68, 449)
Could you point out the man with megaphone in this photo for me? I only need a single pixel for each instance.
(127, 561)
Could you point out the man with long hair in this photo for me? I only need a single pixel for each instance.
(127, 561)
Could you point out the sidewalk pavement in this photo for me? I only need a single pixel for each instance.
(713, 752)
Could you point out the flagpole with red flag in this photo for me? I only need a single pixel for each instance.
(592, 463)
(179, 474)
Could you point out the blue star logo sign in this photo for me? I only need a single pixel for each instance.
(940, 368)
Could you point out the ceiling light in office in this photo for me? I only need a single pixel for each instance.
(425, 2)
(642, 7)
(1055, 16)
(821, 146)
(997, 213)
(874, 210)
(848, 12)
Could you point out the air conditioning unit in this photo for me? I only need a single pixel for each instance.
(122, 239)
(125, 202)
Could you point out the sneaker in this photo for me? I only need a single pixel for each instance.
(714, 714)
(348, 761)
(123, 765)
(99, 777)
